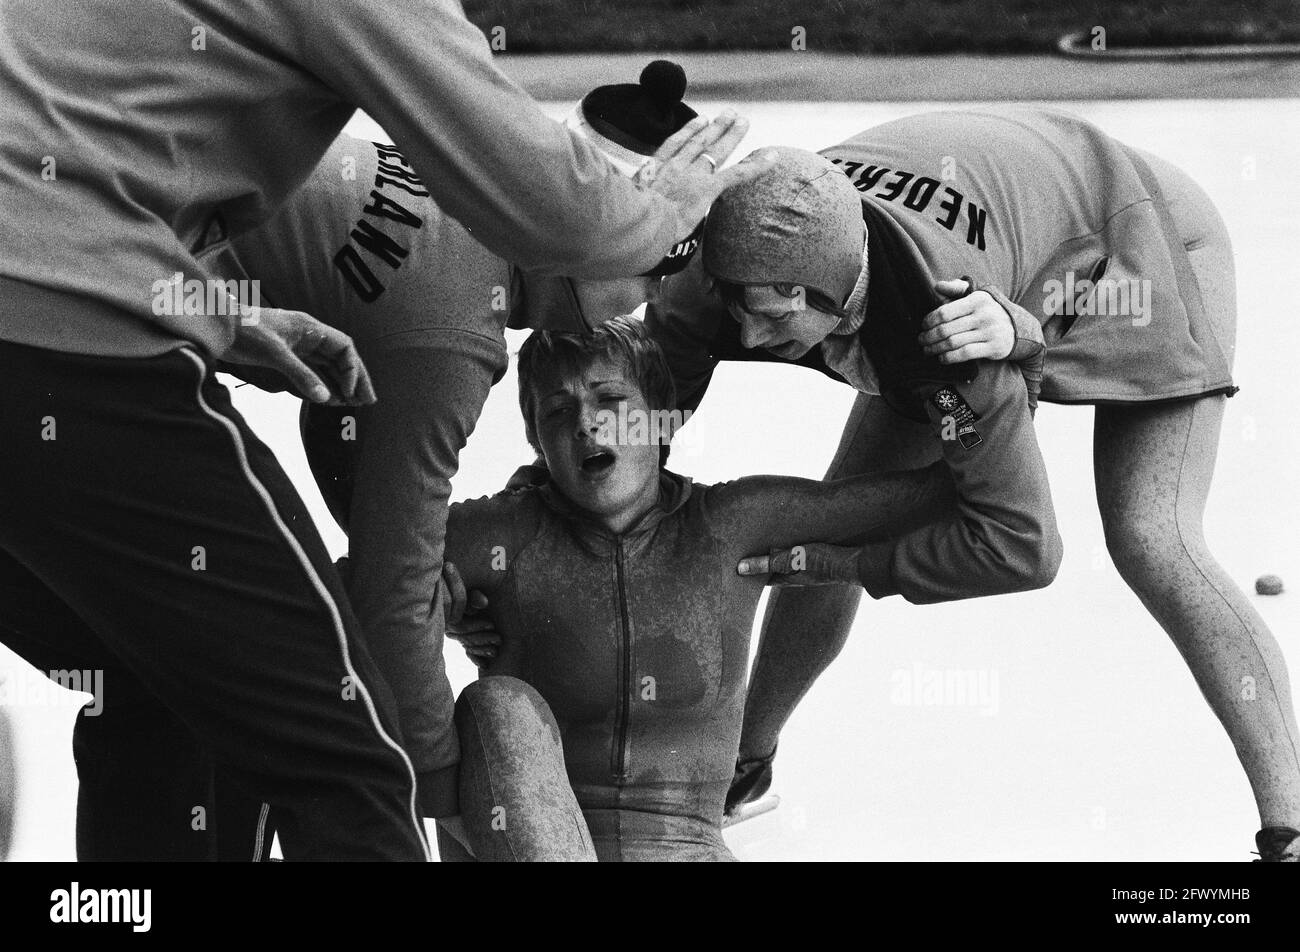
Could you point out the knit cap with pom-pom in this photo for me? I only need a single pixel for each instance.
(640, 116)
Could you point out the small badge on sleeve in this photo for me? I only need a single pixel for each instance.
(958, 418)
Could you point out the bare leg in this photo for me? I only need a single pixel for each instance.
(1154, 466)
(515, 797)
(805, 628)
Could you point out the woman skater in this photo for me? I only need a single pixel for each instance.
(607, 725)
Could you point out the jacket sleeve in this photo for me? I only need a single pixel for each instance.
(1003, 535)
(684, 319)
(431, 394)
(531, 191)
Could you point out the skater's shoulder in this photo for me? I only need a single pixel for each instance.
(513, 514)
(724, 502)
(481, 531)
(505, 502)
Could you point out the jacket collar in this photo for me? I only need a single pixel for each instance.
(674, 491)
(856, 306)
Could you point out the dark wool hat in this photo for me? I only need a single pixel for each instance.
(629, 123)
(640, 117)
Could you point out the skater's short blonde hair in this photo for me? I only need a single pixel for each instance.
(622, 339)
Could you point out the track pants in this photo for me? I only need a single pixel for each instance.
(146, 534)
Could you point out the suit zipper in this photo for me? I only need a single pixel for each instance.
(625, 676)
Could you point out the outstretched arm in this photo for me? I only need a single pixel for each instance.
(1001, 534)
(761, 513)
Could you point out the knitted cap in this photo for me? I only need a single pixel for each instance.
(628, 123)
(641, 117)
(800, 222)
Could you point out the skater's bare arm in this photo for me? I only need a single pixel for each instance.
(759, 513)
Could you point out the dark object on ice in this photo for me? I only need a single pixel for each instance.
(1268, 585)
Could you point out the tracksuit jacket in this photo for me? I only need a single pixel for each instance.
(1057, 220)
(128, 126)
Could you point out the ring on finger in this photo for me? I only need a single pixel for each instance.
(713, 163)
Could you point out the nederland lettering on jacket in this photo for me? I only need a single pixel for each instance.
(1030, 200)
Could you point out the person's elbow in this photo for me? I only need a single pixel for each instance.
(1025, 561)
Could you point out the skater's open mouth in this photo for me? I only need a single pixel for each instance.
(598, 462)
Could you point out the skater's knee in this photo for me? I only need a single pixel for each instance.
(1133, 547)
(1148, 553)
(1043, 569)
(498, 704)
(1019, 562)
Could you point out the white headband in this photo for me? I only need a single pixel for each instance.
(629, 163)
